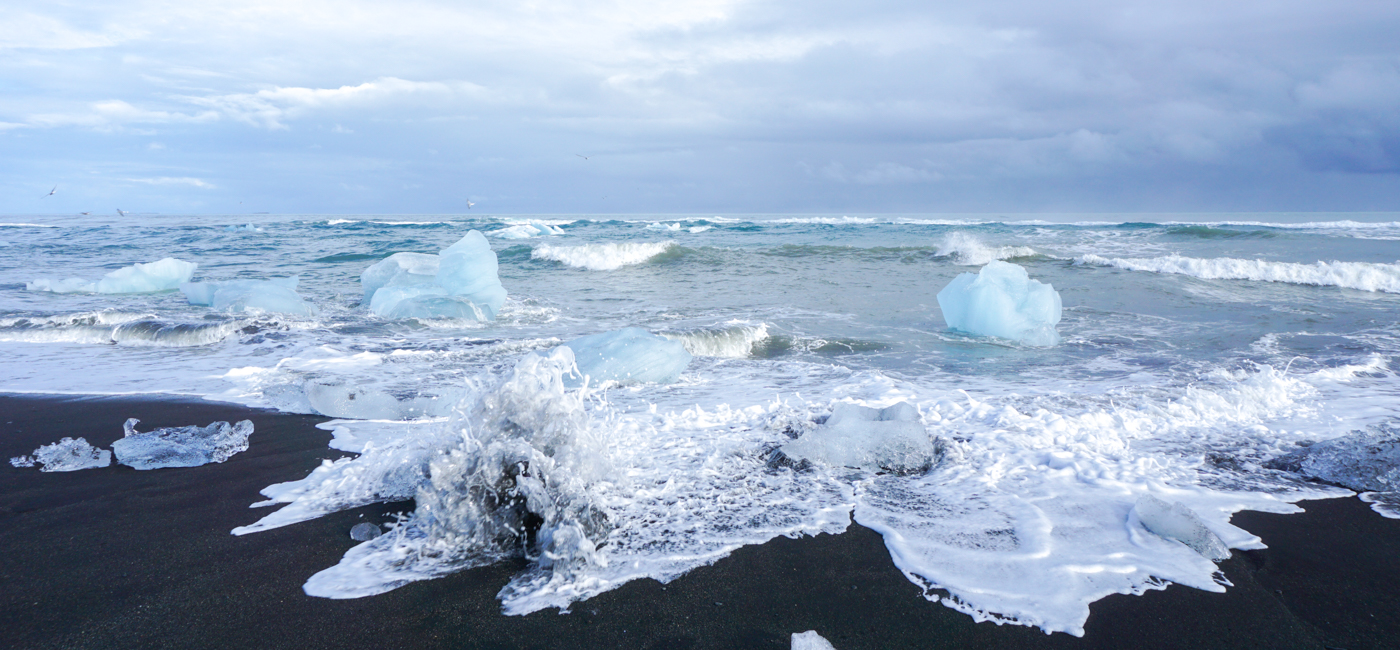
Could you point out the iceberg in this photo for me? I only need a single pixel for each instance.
(1178, 522)
(69, 455)
(161, 275)
(276, 295)
(459, 282)
(629, 355)
(810, 640)
(189, 446)
(891, 439)
(1001, 300)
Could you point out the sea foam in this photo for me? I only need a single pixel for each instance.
(1363, 276)
(601, 257)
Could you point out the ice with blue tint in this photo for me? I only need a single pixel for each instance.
(189, 446)
(275, 295)
(629, 355)
(1178, 522)
(891, 439)
(69, 455)
(160, 275)
(1367, 461)
(459, 282)
(1001, 300)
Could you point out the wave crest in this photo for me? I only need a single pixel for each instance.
(601, 257)
(1362, 276)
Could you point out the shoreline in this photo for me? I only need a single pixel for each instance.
(118, 558)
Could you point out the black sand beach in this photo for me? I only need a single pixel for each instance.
(117, 558)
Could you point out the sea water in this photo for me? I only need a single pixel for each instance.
(1194, 351)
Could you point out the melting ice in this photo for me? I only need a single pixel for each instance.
(189, 446)
(161, 275)
(1001, 300)
(459, 282)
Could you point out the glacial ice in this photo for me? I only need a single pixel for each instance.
(1367, 461)
(359, 402)
(810, 640)
(275, 295)
(459, 282)
(22, 461)
(1001, 300)
(188, 446)
(68, 455)
(1178, 522)
(364, 532)
(629, 355)
(891, 439)
(161, 275)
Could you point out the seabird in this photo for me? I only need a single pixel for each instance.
(119, 211)
(581, 156)
(469, 205)
(84, 213)
(55, 189)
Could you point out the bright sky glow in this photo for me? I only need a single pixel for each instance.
(699, 106)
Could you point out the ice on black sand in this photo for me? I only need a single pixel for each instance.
(365, 532)
(892, 439)
(1178, 522)
(810, 640)
(189, 446)
(1366, 461)
(66, 455)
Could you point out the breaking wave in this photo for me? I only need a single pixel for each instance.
(1350, 275)
(735, 341)
(969, 250)
(601, 257)
(115, 327)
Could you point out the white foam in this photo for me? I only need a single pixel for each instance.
(601, 257)
(968, 250)
(1351, 275)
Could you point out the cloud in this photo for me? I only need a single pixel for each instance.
(273, 107)
(168, 180)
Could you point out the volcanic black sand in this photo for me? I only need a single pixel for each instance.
(119, 558)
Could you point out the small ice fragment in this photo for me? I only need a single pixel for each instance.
(365, 532)
(68, 455)
(22, 461)
(891, 439)
(276, 295)
(188, 446)
(1367, 461)
(1178, 522)
(161, 275)
(629, 355)
(1001, 300)
(810, 640)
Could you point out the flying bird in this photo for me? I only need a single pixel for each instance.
(119, 211)
(581, 156)
(85, 213)
(469, 205)
(55, 189)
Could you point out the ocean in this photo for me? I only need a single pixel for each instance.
(1195, 350)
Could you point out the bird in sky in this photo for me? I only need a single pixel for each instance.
(55, 189)
(85, 213)
(119, 211)
(581, 156)
(469, 205)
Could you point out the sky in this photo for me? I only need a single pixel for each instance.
(699, 106)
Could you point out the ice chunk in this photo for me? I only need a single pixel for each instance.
(341, 400)
(189, 446)
(399, 269)
(891, 439)
(364, 532)
(1178, 522)
(810, 640)
(161, 275)
(275, 295)
(68, 455)
(1001, 300)
(22, 461)
(460, 282)
(1366, 461)
(629, 355)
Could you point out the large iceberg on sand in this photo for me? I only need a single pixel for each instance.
(1001, 300)
(276, 295)
(459, 282)
(629, 355)
(189, 446)
(66, 455)
(161, 275)
(891, 439)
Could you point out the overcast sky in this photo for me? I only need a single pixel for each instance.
(714, 106)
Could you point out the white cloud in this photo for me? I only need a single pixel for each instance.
(271, 108)
(169, 180)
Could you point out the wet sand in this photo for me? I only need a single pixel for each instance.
(119, 558)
